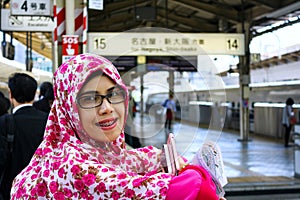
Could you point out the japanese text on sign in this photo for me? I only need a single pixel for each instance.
(165, 44)
(32, 7)
(25, 23)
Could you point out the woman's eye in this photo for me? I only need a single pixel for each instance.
(117, 93)
(89, 98)
(114, 93)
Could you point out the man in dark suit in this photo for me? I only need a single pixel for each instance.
(29, 126)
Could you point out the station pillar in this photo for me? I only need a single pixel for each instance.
(70, 16)
(244, 81)
(171, 81)
(142, 96)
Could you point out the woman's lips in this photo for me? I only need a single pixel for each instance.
(107, 124)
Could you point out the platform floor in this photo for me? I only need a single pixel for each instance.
(257, 163)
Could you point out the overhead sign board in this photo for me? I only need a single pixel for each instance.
(155, 63)
(123, 63)
(25, 23)
(172, 63)
(70, 45)
(165, 44)
(31, 7)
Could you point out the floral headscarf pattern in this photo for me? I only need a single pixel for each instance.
(70, 165)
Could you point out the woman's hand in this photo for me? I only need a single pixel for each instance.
(182, 163)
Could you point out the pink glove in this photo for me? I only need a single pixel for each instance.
(193, 182)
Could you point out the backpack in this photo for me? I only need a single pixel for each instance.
(6, 144)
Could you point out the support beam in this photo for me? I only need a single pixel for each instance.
(70, 16)
(142, 96)
(244, 84)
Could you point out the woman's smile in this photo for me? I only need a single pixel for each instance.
(107, 124)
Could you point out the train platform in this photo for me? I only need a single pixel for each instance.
(259, 165)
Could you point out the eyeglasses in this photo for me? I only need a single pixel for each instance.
(95, 100)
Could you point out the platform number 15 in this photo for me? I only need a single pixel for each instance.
(99, 43)
(232, 44)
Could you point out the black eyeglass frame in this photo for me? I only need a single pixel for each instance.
(107, 97)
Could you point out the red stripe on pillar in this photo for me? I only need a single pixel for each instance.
(61, 16)
(84, 29)
(55, 20)
(84, 22)
(78, 21)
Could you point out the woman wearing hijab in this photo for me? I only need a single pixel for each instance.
(83, 154)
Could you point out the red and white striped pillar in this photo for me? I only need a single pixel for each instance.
(80, 22)
(85, 23)
(54, 38)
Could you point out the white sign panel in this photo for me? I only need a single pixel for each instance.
(165, 44)
(96, 4)
(32, 7)
(25, 23)
(69, 46)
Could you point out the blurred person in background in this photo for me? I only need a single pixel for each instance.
(170, 105)
(4, 104)
(46, 97)
(288, 120)
(130, 139)
(28, 124)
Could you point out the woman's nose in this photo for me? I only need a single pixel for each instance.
(105, 107)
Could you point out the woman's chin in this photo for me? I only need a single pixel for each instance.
(112, 136)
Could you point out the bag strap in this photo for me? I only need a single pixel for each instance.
(10, 134)
(10, 124)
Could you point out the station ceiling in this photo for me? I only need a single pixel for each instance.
(190, 16)
(205, 16)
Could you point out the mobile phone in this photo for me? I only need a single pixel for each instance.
(172, 146)
(169, 159)
(166, 159)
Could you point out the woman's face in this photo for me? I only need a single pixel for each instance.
(103, 123)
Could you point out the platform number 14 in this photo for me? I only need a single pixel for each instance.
(232, 44)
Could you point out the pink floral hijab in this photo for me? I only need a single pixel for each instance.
(70, 165)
